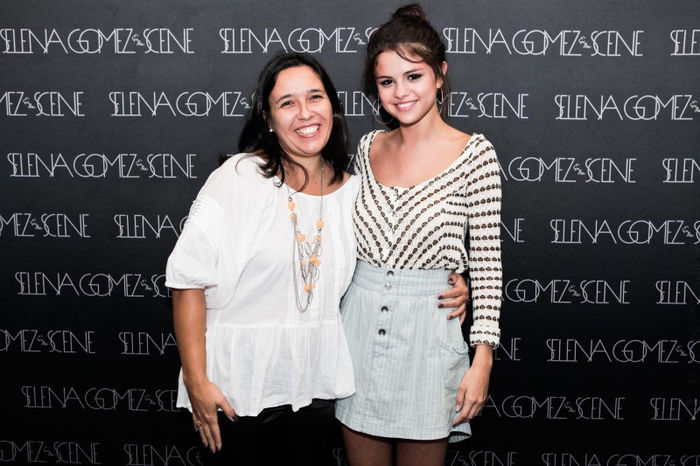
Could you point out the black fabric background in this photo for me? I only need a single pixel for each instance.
(593, 108)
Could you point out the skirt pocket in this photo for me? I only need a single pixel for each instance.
(453, 351)
(449, 333)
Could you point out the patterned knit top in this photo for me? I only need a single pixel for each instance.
(425, 226)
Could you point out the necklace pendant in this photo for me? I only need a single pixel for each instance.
(308, 254)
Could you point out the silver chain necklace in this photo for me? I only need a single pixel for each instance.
(308, 253)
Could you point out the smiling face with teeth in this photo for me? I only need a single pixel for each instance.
(300, 112)
(407, 87)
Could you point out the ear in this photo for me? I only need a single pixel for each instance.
(443, 67)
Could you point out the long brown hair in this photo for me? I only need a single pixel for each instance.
(407, 33)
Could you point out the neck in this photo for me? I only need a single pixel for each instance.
(424, 130)
(313, 166)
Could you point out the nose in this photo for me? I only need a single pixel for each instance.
(304, 111)
(400, 89)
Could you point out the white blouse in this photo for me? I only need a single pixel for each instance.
(237, 245)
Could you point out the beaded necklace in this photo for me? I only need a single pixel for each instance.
(308, 261)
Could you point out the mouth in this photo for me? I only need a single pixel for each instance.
(405, 106)
(308, 131)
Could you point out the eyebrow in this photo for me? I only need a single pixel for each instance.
(310, 91)
(417, 70)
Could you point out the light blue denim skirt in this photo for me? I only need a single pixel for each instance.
(408, 358)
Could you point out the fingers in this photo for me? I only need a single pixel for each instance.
(227, 409)
(212, 436)
(452, 278)
(461, 405)
(456, 296)
(455, 303)
(454, 292)
(473, 408)
(478, 408)
(459, 312)
(208, 428)
(199, 428)
(469, 402)
(469, 411)
(215, 436)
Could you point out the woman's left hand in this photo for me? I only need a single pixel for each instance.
(456, 297)
(474, 387)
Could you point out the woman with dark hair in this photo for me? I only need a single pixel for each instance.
(426, 189)
(257, 275)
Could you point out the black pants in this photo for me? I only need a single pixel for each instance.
(278, 436)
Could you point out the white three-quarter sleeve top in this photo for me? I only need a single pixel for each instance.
(428, 226)
(237, 243)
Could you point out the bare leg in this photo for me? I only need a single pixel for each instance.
(421, 452)
(366, 450)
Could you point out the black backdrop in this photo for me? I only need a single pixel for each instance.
(112, 115)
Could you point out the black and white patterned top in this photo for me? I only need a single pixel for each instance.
(425, 226)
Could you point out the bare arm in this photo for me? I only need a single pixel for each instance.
(189, 320)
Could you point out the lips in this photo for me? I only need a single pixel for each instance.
(308, 131)
(405, 106)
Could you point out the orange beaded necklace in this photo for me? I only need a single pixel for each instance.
(308, 253)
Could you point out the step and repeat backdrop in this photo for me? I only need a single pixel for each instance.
(112, 115)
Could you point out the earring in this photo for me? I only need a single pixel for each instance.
(440, 101)
(270, 130)
(376, 113)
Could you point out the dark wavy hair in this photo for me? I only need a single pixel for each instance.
(407, 33)
(255, 136)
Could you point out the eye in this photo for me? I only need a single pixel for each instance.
(286, 103)
(414, 76)
(385, 82)
(316, 97)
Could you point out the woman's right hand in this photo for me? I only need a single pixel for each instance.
(189, 322)
(206, 399)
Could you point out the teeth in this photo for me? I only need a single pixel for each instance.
(308, 130)
(404, 106)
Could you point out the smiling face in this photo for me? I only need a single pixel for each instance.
(407, 89)
(300, 112)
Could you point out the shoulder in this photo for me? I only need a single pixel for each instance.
(367, 139)
(241, 168)
(348, 185)
(355, 183)
(479, 143)
(482, 166)
(350, 188)
(479, 150)
(238, 178)
(240, 165)
(359, 160)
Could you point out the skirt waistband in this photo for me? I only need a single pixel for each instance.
(404, 282)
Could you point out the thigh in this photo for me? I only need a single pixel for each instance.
(237, 443)
(421, 452)
(310, 433)
(250, 440)
(366, 450)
